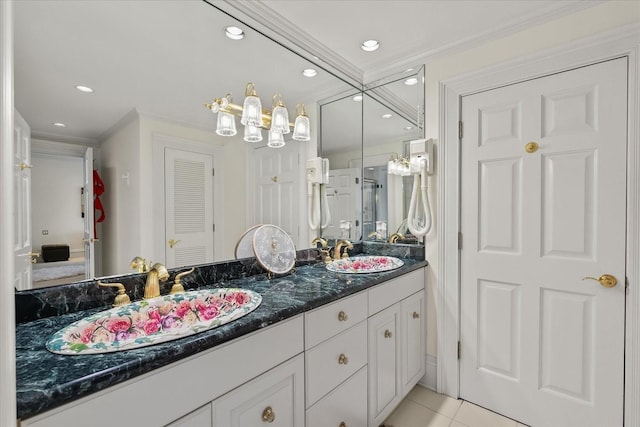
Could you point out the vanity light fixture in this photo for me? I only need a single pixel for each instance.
(398, 166)
(276, 140)
(234, 33)
(301, 128)
(387, 116)
(411, 81)
(255, 118)
(309, 72)
(370, 45)
(85, 89)
(59, 124)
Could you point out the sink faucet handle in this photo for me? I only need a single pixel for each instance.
(121, 298)
(326, 257)
(177, 284)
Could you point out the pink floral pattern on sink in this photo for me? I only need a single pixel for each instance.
(365, 264)
(153, 321)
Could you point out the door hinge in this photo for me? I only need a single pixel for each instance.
(459, 240)
(459, 350)
(357, 180)
(460, 130)
(214, 228)
(213, 171)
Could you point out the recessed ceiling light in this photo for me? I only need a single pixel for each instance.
(234, 33)
(387, 116)
(411, 81)
(85, 89)
(357, 98)
(60, 124)
(408, 127)
(309, 72)
(370, 45)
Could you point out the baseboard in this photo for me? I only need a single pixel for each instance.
(430, 377)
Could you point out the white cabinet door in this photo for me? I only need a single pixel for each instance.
(201, 417)
(384, 387)
(344, 406)
(275, 398)
(413, 341)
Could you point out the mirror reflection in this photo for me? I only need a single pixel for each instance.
(128, 81)
(392, 115)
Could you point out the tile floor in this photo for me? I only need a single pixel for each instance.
(425, 408)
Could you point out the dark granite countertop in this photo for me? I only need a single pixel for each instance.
(46, 380)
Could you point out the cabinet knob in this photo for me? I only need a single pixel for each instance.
(342, 359)
(268, 416)
(387, 334)
(342, 424)
(416, 315)
(342, 316)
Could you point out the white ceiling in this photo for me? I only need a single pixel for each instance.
(167, 57)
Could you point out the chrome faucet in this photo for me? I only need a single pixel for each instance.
(157, 274)
(338, 249)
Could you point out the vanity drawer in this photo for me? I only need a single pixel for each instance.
(326, 321)
(389, 293)
(346, 404)
(335, 360)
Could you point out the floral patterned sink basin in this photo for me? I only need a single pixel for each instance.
(365, 264)
(153, 321)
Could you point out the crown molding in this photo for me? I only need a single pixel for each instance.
(420, 54)
(286, 33)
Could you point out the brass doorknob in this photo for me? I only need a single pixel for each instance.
(268, 416)
(416, 315)
(531, 147)
(606, 280)
(387, 334)
(172, 243)
(24, 166)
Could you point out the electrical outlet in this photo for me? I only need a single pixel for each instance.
(45, 232)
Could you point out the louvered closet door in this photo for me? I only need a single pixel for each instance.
(539, 343)
(189, 208)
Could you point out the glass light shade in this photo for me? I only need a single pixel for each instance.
(252, 134)
(226, 125)
(252, 111)
(301, 129)
(276, 140)
(391, 167)
(280, 120)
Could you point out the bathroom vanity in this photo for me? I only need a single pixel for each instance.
(323, 348)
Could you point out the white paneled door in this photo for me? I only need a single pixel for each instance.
(22, 203)
(543, 206)
(189, 233)
(276, 188)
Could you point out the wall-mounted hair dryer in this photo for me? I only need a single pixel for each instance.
(421, 166)
(317, 180)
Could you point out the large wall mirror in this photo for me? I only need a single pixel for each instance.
(361, 132)
(152, 66)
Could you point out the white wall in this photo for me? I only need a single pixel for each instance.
(120, 235)
(606, 16)
(56, 182)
